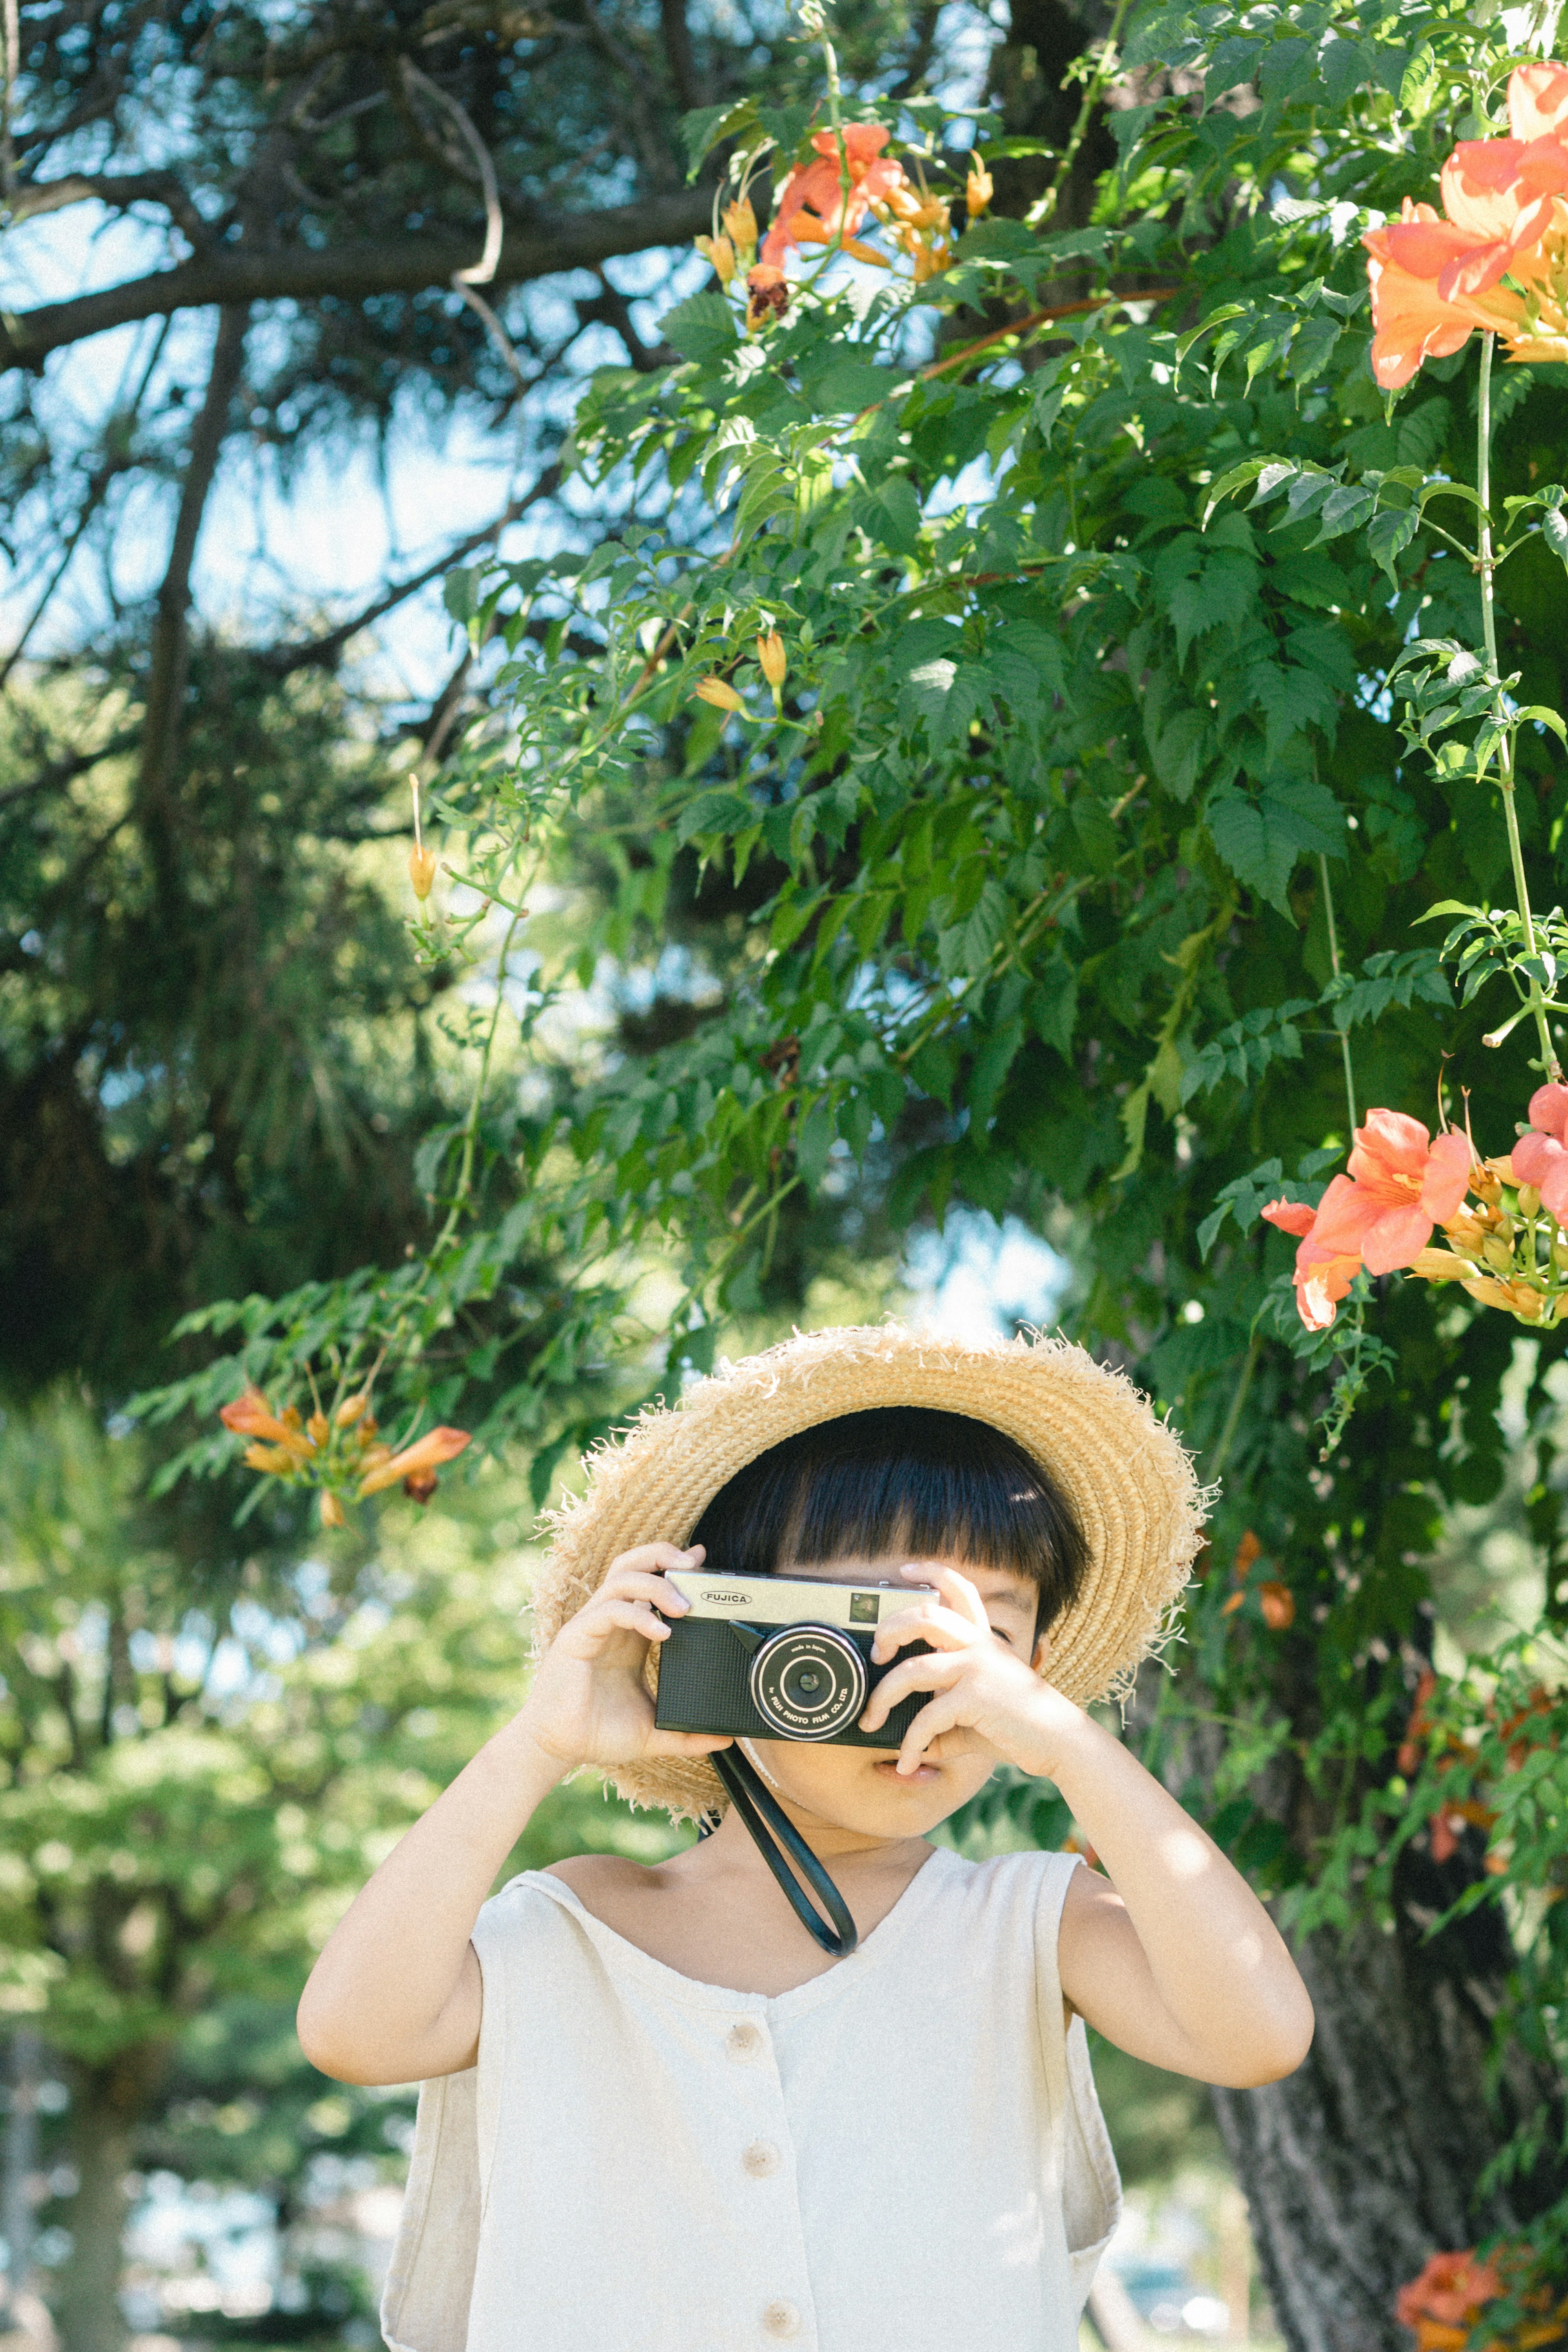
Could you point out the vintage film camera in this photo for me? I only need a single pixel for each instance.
(782, 1657)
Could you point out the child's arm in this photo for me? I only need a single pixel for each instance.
(396, 1994)
(1176, 1960)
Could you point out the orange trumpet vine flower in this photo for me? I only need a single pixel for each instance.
(1438, 276)
(813, 206)
(250, 1415)
(1540, 1158)
(416, 1464)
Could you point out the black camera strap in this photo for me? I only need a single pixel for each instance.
(771, 1827)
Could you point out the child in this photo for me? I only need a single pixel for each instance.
(655, 2116)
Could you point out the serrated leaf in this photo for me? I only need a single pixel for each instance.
(702, 328)
(1262, 840)
(1389, 533)
(704, 127)
(1546, 717)
(1236, 479)
(1215, 318)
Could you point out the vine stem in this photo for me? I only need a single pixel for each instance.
(471, 1125)
(1221, 1455)
(1333, 959)
(1094, 89)
(1486, 567)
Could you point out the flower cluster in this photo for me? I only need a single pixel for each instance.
(1447, 1825)
(772, 660)
(1276, 1601)
(1507, 1242)
(827, 202)
(339, 1452)
(1443, 2305)
(1495, 258)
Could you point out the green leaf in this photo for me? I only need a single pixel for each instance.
(1262, 840)
(1216, 318)
(900, 505)
(702, 130)
(1236, 479)
(814, 1144)
(1050, 1007)
(1389, 533)
(702, 328)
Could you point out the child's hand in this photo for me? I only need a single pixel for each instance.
(588, 1704)
(988, 1700)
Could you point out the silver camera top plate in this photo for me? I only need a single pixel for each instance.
(796, 1599)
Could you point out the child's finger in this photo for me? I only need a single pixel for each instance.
(941, 1715)
(942, 1628)
(630, 1617)
(634, 1584)
(936, 1672)
(648, 1558)
(687, 1743)
(955, 1588)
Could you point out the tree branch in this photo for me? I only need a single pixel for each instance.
(172, 630)
(62, 771)
(678, 52)
(319, 653)
(36, 198)
(351, 273)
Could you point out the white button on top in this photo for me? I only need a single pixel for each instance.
(761, 2160)
(780, 2318)
(744, 2041)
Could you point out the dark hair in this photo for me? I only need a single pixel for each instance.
(901, 1478)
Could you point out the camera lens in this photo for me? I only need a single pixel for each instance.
(807, 1681)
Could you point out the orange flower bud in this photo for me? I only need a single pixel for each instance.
(1278, 1603)
(719, 251)
(272, 1459)
(978, 188)
(333, 1512)
(350, 1409)
(740, 226)
(1440, 1266)
(422, 872)
(416, 1462)
(771, 658)
(317, 1429)
(719, 693)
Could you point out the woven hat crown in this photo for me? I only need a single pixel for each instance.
(1125, 1473)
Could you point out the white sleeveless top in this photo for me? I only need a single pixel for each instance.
(908, 2150)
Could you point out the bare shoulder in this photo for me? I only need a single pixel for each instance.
(583, 1872)
(604, 1883)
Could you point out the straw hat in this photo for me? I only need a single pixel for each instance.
(1137, 1501)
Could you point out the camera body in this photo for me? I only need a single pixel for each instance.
(782, 1657)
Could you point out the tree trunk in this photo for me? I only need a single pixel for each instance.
(106, 2103)
(17, 2188)
(1366, 2161)
(167, 675)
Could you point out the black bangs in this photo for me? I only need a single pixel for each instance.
(901, 1478)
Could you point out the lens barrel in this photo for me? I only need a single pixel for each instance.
(807, 1681)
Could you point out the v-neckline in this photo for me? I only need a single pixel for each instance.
(622, 1954)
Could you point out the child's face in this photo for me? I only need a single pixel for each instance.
(857, 1788)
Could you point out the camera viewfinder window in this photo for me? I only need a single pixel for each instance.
(863, 1607)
